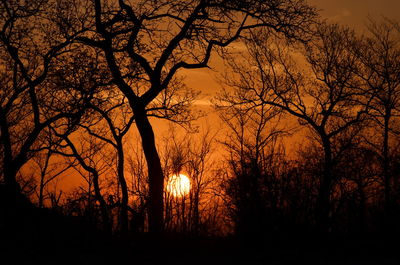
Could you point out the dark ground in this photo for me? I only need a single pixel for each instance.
(33, 236)
(179, 250)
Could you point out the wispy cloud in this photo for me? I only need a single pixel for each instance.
(343, 13)
(202, 102)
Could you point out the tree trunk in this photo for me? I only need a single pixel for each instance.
(323, 200)
(10, 178)
(124, 190)
(156, 177)
(362, 207)
(385, 164)
(9, 172)
(100, 199)
(196, 214)
(41, 188)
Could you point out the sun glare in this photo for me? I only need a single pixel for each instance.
(178, 185)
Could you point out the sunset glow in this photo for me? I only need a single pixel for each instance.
(178, 185)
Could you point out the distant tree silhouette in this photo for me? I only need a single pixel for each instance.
(48, 171)
(329, 104)
(190, 154)
(85, 158)
(255, 161)
(138, 187)
(380, 70)
(357, 190)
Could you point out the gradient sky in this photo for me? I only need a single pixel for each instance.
(354, 12)
(349, 12)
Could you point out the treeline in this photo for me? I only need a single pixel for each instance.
(78, 76)
(341, 91)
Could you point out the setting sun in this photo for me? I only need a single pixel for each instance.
(178, 185)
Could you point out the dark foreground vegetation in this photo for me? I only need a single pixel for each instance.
(77, 77)
(47, 238)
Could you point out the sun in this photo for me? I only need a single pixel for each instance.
(178, 185)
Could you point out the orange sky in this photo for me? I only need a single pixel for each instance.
(354, 12)
(348, 12)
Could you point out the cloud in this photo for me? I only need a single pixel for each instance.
(343, 13)
(202, 102)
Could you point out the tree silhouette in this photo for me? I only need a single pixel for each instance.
(329, 104)
(380, 70)
(29, 55)
(49, 171)
(310, 115)
(86, 161)
(253, 146)
(154, 40)
(190, 155)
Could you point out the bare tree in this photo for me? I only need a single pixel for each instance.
(84, 75)
(191, 155)
(156, 39)
(86, 155)
(253, 184)
(380, 69)
(357, 187)
(116, 115)
(138, 188)
(30, 41)
(329, 103)
(118, 119)
(48, 172)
